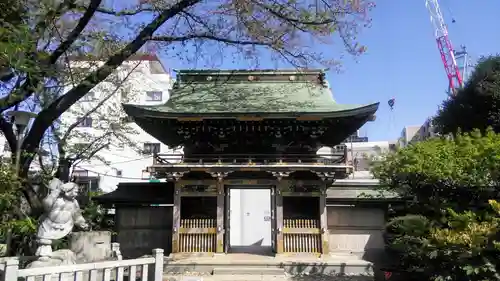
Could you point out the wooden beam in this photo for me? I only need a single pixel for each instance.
(309, 118)
(176, 220)
(198, 194)
(325, 235)
(260, 182)
(220, 218)
(291, 230)
(189, 119)
(279, 216)
(249, 118)
(210, 183)
(301, 194)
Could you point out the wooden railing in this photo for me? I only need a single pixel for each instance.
(133, 269)
(301, 236)
(338, 156)
(198, 236)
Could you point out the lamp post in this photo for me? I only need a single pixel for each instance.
(21, 119)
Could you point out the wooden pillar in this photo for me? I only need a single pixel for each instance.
(176, 219)
(279, 216)
(325, 235)
(220, 217)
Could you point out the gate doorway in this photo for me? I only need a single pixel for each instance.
(250, 220)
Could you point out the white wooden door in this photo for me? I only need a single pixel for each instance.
(251, 217)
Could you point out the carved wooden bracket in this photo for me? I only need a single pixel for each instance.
(219, 175)
(326, 176)
(280, 175)
(175, 175)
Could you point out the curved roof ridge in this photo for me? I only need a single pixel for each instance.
(248, 71)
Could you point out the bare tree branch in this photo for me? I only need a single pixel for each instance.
(98, 105)
(6, 74)
(61, 104)
(209, 37)
(294, 20)
(33, 81)
(124, 12)
(87, 148)
(8, 132)
(93, 152)
(82, 23)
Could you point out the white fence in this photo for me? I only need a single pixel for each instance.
(98, 271)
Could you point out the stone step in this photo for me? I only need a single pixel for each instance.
(246, 278)
(225, 278)
(257, 271)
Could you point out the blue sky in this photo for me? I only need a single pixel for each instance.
(402, 60)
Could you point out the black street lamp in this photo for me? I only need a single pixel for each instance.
(21, 120)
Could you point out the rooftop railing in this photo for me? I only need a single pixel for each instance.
(338, 156)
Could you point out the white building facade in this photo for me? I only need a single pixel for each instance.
(412, 134)
(128, 150)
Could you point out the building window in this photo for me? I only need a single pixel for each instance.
(85, 122)
(87, 184)
(124, 97)
(80, 173)
(151, 148)
(154, 96)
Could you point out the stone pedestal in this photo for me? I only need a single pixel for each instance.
(91, 246)
(59, 258)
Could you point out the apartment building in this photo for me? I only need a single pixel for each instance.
(361, 152)
(411, 134)
(127, 149)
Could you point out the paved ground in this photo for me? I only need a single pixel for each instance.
(236, 259)
(264, 259)
(265, 278)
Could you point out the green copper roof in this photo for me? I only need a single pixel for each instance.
(249, 92)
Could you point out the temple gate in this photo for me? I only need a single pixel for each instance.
(251, 130)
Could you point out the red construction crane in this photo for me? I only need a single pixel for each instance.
(448, 54)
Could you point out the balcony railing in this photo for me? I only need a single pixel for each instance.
(337, 157)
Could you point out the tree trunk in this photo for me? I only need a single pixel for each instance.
(63, 169)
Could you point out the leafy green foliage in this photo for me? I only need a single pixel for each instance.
(19, 227)
(16, 226)
(54, 53)
(96, 215)
(451, 231)
(477, 104)
(468, 247)
(460, 174)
